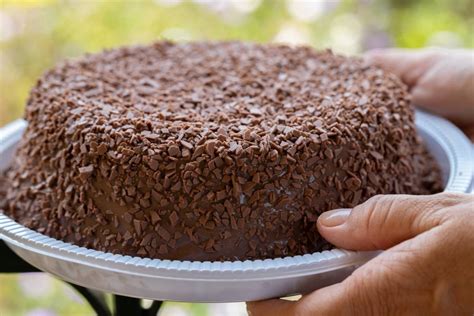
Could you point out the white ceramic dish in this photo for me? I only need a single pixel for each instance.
(215, 281)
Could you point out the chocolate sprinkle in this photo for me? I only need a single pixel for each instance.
(210, 151)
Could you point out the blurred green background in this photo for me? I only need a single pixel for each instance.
(34, 35)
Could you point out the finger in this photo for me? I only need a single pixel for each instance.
(409, 65)
(384, 220)
(271, 307)
(376, 288)
(440, 80)
(351, 297)
(446, 89)
(391, 283)
(305, 306)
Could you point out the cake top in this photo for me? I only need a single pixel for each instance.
(182, 96)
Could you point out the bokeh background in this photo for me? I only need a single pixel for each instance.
(34, 35)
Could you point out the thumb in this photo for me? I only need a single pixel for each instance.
(384, 220)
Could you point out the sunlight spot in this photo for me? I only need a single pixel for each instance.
(293, 35)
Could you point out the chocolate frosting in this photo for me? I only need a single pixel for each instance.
(210, 151)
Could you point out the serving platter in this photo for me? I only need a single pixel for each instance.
(235, 281)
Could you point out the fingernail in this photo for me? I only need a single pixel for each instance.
(335, 217)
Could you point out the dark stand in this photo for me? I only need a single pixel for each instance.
(123, 306)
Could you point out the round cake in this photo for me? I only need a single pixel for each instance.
(210, 151)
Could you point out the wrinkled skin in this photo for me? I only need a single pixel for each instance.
(428, 265)
(426, 270)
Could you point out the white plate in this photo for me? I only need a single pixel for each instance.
(215, 281)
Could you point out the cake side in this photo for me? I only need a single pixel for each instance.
(211, 151)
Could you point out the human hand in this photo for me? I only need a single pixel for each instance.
(427, 268)
(440, 80)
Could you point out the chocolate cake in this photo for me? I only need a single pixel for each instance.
(210, 151)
